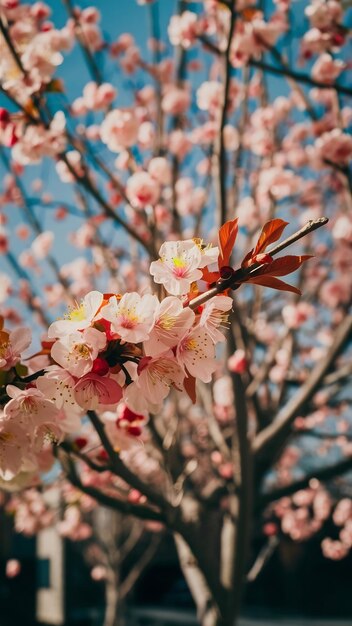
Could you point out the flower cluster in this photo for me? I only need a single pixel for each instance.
(38, 45)
(130, 349)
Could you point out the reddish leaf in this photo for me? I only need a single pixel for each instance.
(274, 283)
(262, 258)
(210, 277)
(247, 261)
(271, 232)
(189, 384)
(227, 237)
(283, 266)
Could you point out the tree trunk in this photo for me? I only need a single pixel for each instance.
(207, 612)
(114, 614)
(213, 553)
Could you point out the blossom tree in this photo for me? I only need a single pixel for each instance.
(177, 390)
(106, 538)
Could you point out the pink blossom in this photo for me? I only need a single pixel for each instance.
(98, 97)
(179, 143)
(119, 129)
(324, 15)
(78, 318)
(42, 54)
(93, 390)
(183, 29)
(177, 267)
(77, 351)
(295, 315)
(132, 317)
(40, 11)
(12, 345)
(231, 138)
(142, 190)
(346, 533)
(92, 35)
(38, 142)
(125, 41)
(343, 228)
(223, 391)
(42, 244)
(335, 146)
(172, 321)
(159, 168)
(4, 242)
(129, 421)
(14, 446)
(261, 142)
(195, 352)
(326, 69)
(155, 377)
(57, 385)
(342, 512)
(209, 96)
(215, 315)
(334, 550)
(237, 362)
(98, 572)
(13, 568)
(75, 162)
(5, 291)
(146, 134)
(72, 525)
(31, 410)
(336, 292)
(205, 134)
(175, 100)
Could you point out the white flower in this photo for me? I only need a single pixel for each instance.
(196, 353)
(132, 317)
(12, 345)
(172, 321)
(156, 376)
(178, 266)
(77, 351)
(215, 314)
(58, 386)
(79, 317)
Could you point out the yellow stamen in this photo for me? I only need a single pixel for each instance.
(179, 262)
(77, 314)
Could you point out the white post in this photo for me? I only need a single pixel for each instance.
(50, 607)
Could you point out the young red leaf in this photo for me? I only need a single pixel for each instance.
(210, 277)
(271, 232)
(285, 265)
(227, 237)
(263, 258)
(274, 283)
(247, 261)
(189, 384)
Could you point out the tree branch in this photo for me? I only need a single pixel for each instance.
(233, 282)
(299, 77)
(324, 474)
(219, 155)
(128, 508)
(274, 435)
(121, 470)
